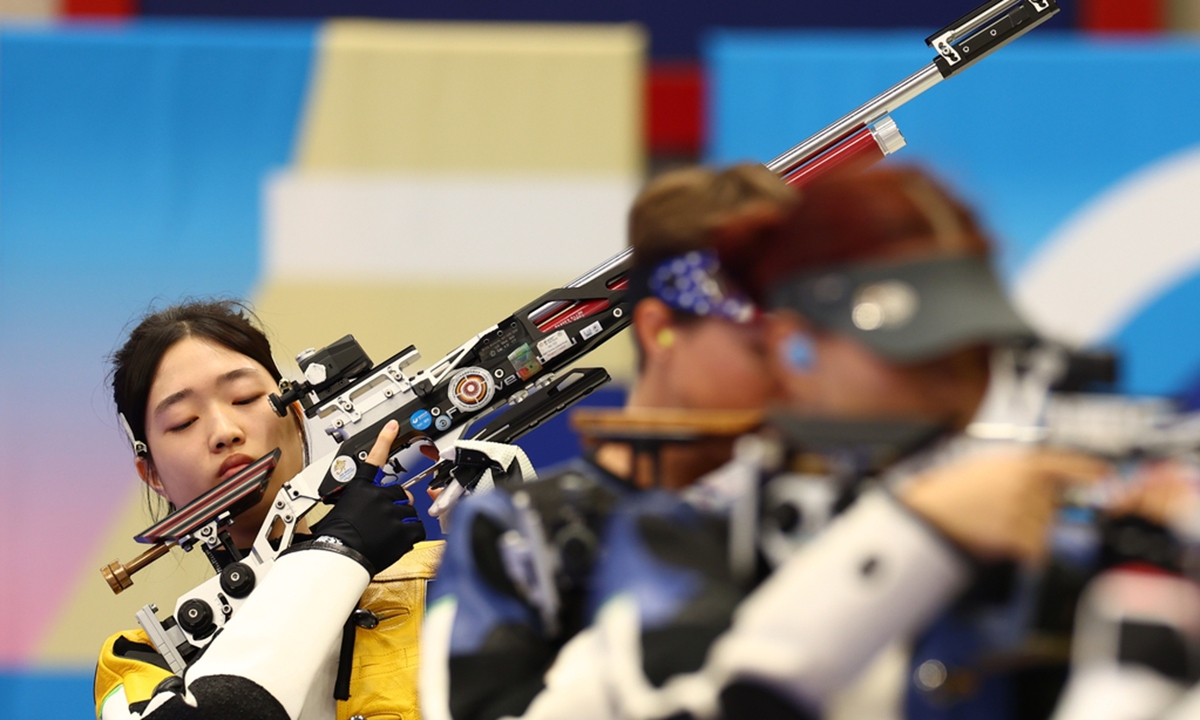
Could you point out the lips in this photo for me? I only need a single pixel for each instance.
(232, 465)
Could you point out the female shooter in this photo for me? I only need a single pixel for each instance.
(191, 386)
(488, 646)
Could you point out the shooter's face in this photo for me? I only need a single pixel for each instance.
(207, 417)
(716, 364)
(824, 373)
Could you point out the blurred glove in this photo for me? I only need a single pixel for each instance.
(1136, 646)
(477, 466)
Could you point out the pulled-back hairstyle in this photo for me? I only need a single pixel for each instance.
(226, 322)
(880, 215)
(693, 209)
(687, 209)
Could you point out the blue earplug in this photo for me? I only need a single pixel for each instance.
(797, 352)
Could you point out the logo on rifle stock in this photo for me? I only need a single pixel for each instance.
(471, 389)
(343, 468)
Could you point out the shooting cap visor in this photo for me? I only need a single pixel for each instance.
(907, 312)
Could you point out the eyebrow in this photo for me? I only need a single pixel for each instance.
(187, 392)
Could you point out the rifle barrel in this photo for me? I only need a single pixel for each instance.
(869, 112)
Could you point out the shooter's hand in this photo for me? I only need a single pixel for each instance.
(377, 522)
(1165, 493)
(999, 505)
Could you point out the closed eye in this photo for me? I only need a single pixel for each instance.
(181, 426)
(248, 400)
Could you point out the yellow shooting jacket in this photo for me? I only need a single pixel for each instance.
(383, 681)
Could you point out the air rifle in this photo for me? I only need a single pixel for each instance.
(868, 134)
(522, 361)
(516, 361)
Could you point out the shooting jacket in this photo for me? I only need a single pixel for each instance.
(383, 680)
(657, 627)
(486, 650)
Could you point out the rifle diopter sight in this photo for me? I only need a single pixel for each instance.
(986, 29)
(327, 372)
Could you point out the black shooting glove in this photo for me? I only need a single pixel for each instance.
(376, 523)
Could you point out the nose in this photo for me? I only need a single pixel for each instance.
(226, 432)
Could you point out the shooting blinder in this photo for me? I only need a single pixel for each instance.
(909, 311)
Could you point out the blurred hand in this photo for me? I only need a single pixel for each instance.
(999, 505)
(1165, 493)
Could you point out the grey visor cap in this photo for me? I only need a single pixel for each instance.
(908, 312)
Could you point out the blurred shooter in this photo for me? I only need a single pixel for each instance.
(887, 306)
(511, 604)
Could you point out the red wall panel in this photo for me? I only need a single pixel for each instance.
(1122, 15)
(675, 108)
(100, 8)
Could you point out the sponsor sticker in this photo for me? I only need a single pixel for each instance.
(471, 389)
(525, 361)
(421, 419)
(343, 468)
(553, 345)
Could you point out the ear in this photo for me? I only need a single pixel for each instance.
(146, 471)
(650, 318)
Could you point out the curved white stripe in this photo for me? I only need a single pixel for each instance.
(1117, 254)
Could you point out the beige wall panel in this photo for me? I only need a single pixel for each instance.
(1184, 15)
(385, 317)
(496, 97)
(93, 612)
(22, 9)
